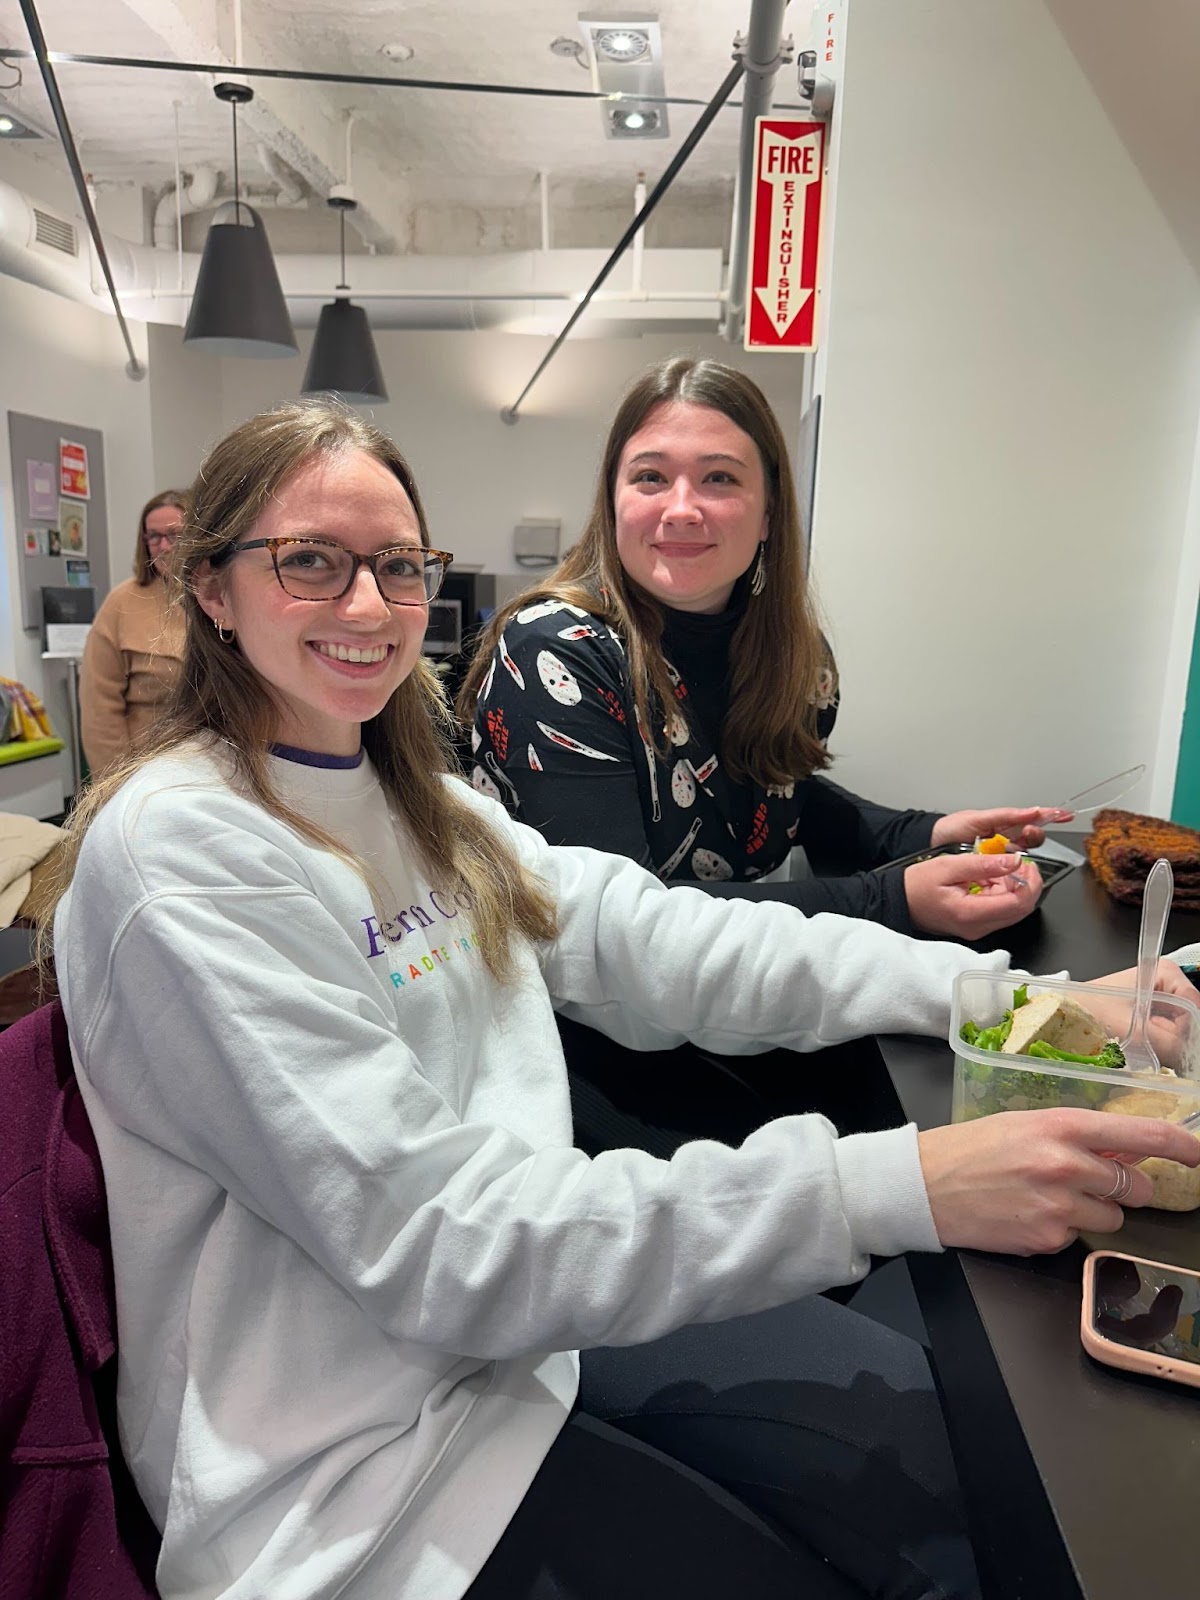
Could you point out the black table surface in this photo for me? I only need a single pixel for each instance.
(1081, 1481)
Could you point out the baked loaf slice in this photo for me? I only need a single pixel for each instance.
(1058, 1021)
(1123, 846)
(1176, 1187)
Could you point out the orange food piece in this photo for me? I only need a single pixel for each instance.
(997, 845)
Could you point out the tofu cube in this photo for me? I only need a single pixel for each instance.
(1058, 1021)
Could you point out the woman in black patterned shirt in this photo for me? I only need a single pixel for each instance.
(674, 661)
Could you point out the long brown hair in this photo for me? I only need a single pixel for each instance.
(777, 656)
(219, 697)
(143, 567)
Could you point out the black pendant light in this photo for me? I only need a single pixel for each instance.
(343, 359)
(238, 308)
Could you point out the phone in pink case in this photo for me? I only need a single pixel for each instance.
(1142, 1316)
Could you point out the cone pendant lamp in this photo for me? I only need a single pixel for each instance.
(343, 360)
(238, 307)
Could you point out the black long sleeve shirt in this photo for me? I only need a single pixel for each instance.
(557, 708)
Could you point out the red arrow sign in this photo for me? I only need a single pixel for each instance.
(785, 235)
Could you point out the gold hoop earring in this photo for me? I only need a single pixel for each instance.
(226, 637)
(758, 581)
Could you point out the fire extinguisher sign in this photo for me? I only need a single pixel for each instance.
(785, 234)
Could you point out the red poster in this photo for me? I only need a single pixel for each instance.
(73, 470)
(785, 235)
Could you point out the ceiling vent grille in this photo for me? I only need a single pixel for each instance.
(625, 54)
(55, 233)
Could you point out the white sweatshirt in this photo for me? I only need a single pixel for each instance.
(355, 1248)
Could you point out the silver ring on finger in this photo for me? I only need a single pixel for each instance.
(1122, 1183)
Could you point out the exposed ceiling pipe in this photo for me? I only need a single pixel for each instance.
(178, 202)
(205, 191)
(351, 117)
(133, 367)
(197, 194)
(544, 198)
(520, 292)
(639, 238)
(291, 192)
(762, 55)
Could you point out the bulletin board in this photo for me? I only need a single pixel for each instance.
(61, 510)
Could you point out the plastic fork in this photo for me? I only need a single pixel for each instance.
(1140, 1054)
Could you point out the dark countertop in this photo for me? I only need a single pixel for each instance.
(1081, 1480)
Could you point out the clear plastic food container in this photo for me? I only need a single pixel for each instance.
(988, 1080)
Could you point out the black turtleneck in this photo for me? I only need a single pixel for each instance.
(698, 647)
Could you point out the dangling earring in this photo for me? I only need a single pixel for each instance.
(226, 637)
(758, 581)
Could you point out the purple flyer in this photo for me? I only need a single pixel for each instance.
(43, 491)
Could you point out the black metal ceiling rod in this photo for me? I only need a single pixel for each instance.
(509, 414)
(42, 57)
(296, 75)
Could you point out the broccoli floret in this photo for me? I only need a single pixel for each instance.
(1111, 1056)
(993, 1038)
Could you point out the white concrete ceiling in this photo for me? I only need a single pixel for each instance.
(1142, 57)
(417, 154)
(444, 172)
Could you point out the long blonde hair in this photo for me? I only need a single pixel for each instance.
(777, 655)
(220, 697)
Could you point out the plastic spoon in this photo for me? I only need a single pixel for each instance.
(1140, 1054)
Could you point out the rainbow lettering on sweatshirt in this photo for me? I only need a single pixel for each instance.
(428, 962)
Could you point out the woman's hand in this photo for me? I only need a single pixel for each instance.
(1169, 1028)
(1168, 979)
(941, 898)
(1027, 1182)
(1023, 826)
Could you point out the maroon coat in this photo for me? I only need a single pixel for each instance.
(71, 1524)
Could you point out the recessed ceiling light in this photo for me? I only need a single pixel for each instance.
(11, 127)
(622, 44)
(635, 122)
(397, 52)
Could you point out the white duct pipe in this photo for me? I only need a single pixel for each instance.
(761, 55)
(204, 191)
(198, 195)
(178, 200)
(639, 238)
(544, 196)
(350, 119)
(290, 193)
(520, 292)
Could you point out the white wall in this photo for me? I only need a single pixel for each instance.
(63, 360)
(478, 476)
(185, 405)
(1011, 395)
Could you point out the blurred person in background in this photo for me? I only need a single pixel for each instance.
(132, 655)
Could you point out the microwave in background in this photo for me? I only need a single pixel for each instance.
(444, 632)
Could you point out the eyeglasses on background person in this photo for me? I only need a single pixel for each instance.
(319, 569)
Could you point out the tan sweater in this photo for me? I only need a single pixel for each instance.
(130, 664)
